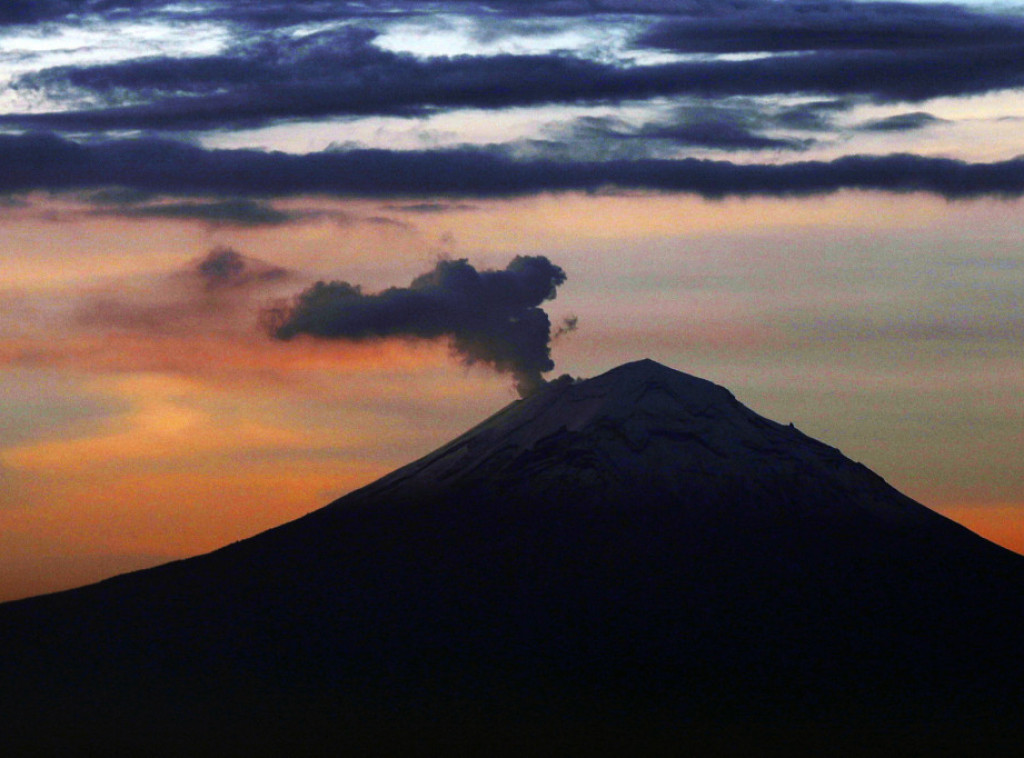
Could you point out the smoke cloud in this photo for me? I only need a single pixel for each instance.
(218, 291)
(224, 267)
(490, 316)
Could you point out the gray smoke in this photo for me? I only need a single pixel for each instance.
(490, 316)
(223, 267)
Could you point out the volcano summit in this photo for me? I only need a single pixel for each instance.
(634, 562)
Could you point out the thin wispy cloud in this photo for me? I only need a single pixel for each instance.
(902, 122)
(215, 213)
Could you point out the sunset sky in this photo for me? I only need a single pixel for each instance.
(815, 203)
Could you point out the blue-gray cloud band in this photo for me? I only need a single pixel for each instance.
(47, 162)
(748, 26)
(224, 92)
(886, 51)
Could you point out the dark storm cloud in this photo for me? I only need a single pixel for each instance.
(279, 13)
(715, 17)
(318, 78)
(746, 26)
(34, 11)
(26, 12)
(903, 122)
(45, 162)
(490, 316)
(574, 8)
(274, 15)
(405, 86)
(253, 12)
(269, 75)
(684, 25)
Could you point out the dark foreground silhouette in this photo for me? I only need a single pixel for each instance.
(634, 564)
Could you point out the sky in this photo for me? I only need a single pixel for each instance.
(256, 254)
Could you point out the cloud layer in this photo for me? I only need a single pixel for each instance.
(50, 163)
(342, 73)
(614, 93)
(307, 60)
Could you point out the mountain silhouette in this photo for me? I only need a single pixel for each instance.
(635, 564)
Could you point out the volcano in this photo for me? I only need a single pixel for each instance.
(634, 563)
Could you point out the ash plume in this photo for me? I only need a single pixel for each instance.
(490, 316)
(213, 292)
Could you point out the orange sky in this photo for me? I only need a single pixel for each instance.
(167, 425)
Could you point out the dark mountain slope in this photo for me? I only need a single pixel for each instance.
(635, 563)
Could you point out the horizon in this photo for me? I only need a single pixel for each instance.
(813, 210)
